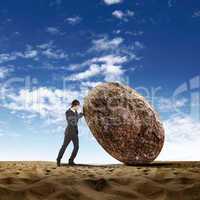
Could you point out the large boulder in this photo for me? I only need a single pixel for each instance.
(124, 123)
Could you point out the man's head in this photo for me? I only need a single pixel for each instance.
(75, 104)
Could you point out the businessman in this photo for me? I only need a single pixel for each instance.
(71, 132)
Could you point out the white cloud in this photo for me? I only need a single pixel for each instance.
(76, 66)
(90, 84)
(73, 20)
(55, 54)
(119, 14)
(117, 31)
(55, 3)
(182, 139)
(138, 44)
(182, 128)
(111, 59)
(115, 46)
(196, 14)
(111, 2)
(53, 30)
(108, 66)
(111, 54)
(171, 3)
(44, 101)
(4, 72)
(134, 33)
(170, 104)
(30, 53)
(6, 57)
(111, 67)
(46, 45)
(113, 72)
(47, 49)
(92, 71)
(27, 54)
(106, 44)
(51, 52)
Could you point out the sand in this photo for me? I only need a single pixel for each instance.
(43, 180)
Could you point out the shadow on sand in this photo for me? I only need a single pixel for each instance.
(153, 164)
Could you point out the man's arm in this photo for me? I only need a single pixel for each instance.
(80, 115)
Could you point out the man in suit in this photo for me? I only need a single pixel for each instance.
(71, 132)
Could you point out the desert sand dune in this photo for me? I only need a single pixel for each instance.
(43, 180)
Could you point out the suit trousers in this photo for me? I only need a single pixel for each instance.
(69, 137)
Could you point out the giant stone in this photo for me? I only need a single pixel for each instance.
(124, 123)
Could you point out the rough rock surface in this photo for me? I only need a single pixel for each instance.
(124, 123)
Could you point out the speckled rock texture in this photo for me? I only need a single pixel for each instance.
(124, 123)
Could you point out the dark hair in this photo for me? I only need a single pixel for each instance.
(75, 103)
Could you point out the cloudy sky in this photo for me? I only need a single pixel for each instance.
(53, 51)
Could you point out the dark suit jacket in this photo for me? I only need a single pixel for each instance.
(72, 120)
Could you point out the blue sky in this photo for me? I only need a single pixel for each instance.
(54, 51)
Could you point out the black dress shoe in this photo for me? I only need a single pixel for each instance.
(71, 162)
(58, 162)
